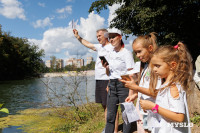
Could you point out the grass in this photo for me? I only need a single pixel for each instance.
(196, 119)
(85, 119)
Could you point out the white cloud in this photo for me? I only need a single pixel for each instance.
(42, 23)
(67, 9)
(112, 12)
(112, 9)
(61, 40)
(41, 4)
(64, 12)
(12, 9)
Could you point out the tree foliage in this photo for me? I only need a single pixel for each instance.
(18, 59)
(173, 20)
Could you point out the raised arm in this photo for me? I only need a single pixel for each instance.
(83, 41)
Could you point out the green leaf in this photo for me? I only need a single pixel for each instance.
(1, 105)
(5, 110)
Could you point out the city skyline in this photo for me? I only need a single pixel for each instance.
(78, 62)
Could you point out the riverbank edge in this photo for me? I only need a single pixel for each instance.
(69, 73)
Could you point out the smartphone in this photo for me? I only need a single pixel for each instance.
(104, 60)
(126, 77)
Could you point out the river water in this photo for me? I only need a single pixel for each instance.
(45, 92)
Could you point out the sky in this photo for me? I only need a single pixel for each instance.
(48, 24)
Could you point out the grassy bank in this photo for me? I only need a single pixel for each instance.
(85, 119)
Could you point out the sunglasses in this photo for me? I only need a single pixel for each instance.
(112, 36)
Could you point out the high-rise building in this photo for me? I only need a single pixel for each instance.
(79, 63)
(48, 63)
(89, 60)
(59, 63)
(70, 61)
(76, 62)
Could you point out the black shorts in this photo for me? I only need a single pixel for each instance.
(100, 92)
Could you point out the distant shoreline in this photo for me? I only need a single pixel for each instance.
(69, 73)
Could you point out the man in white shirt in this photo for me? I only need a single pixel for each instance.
(103, 49)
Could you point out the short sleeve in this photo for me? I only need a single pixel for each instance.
(97, 46)
(129, 59)
(177, 104)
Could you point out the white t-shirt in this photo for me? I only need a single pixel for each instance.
(178, 105)
(119, 62)
(100, 71)
(196, 77)
(144, 82)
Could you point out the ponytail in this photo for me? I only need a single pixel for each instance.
(183, 72)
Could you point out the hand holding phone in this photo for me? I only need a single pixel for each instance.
(126, 77)
(104, 60)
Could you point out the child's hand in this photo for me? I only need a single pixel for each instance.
(131, 98)
(107, 89)
(129, 84)
(147, 105)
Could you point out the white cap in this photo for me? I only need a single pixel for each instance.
(111, 31)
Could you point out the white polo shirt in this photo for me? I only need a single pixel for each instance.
(119, 62)
(100, 71)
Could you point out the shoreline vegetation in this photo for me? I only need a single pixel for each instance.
(69, 73)
(88, 118)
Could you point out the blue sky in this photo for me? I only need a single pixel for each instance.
(47, 23)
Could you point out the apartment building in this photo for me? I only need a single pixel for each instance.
(48, 63)
(59, 63)
(89, 60)
(76, 62)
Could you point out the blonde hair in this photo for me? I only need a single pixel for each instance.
(182, 73)
(146, 41)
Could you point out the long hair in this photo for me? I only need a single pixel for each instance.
(146, 41)
(182, 73)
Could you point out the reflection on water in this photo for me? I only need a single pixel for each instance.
(11, 129)
(23, 94)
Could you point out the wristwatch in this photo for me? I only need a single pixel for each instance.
(155, 109)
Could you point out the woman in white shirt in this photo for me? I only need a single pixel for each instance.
(120, 62)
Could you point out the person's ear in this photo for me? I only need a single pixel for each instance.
(120, 37)
(150, 48)
(173, 65)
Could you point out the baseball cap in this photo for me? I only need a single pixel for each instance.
(112, 31)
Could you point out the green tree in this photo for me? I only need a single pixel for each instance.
(18, 58)
(90, 66)
(53, 63)
(173, 20)
(70, 68)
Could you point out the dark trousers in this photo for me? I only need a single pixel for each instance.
(117, 94)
